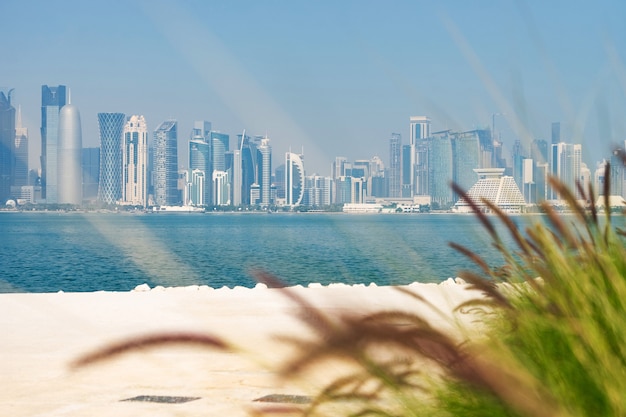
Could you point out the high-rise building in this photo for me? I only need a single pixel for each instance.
(565, 165)
(200, 160)
(52, 100)
(220, 145)
(201, 156)
(440, 168)
(7, 145)
(466, 158)
(237, 174)
(91, 173)
(20, 164)
(135, 162)
(395, 165)
(419, 127)
(221, 188)
(166, 164)
(265, 172)
(249, 166)
(556, 133)
(111, 127)
(69, 162)
(294, 179)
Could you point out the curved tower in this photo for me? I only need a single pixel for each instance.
(294, 179)
(69, 170)
(110, 185)
(135, 161)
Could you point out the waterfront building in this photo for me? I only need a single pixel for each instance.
(166, 164)
(69, 163)
(466, 158)
(440, 169)
(91, 173)
(565, 165)
(237, 172)
(265, 172)
(618, 173)
(500, 190)
(111, 127)
(196, 188)
(317, 191)
(419, 128)
(294, 179)
(135, 162)
(200, 160)
(221, 188)
(395, 165)
(249, 165)
(406, 171)
(7, 145)
(20, 160)
(343, 187)
(52, 100)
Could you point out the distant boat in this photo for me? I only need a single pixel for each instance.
(177, 209)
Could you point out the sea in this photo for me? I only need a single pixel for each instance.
(92, 251)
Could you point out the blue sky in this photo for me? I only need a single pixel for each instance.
(335, 78)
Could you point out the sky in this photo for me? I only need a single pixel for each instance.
(329, 78)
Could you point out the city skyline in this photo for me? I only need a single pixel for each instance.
(334, 79)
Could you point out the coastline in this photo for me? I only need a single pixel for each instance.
(47, 331)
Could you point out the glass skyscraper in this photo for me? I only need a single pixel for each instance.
(20, 166)
(440, 168)
(265, 171)
(7, 145)
(111, 127)
(294, 179)
(166, 164)
(52, 99)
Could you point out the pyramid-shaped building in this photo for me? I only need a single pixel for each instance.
(499, 189)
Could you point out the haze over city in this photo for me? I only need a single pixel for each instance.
(332, 78)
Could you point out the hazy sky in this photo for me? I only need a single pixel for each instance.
(333, 77)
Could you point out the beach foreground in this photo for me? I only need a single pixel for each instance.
(44, 333)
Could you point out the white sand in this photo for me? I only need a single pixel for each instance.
(43, 333)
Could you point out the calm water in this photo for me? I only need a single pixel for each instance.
(48, 252)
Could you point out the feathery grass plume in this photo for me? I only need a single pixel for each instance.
(553, 345)
(150, 341)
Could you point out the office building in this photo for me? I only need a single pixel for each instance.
(419, 131)
(395, 166)
(221, 188)
(565, 165)
(91, 173)
(294, 179)
(166, 164)
(466, 158)
(440, 169)
(135, 162)
(265, 172)
(70, 148)
(200, 160)
(20, 160)
(111, 127)
(52, 100)
(7, 145)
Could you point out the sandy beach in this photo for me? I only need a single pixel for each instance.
(43, 333)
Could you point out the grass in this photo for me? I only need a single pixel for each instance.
(552, 339)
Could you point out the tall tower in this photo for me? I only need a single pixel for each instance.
(294, 179)
(135, 161)
(419, 127)
(265, 171)
(7, 145)
(166, 164)
(440, 161)
(395, 166)
(69, 163)
(111, 127)
(20, 166)
(52, 99)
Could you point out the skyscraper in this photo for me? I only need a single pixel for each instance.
(166, 164)
(441, 170)
(135, 161)
(265, 171)
(7, 144)
(294, 179)
(465, 159)
(200, 160)
(111, 129)
(395, 166)
(20, 165)
(52, 100)
(419, 127)
(69, 163)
